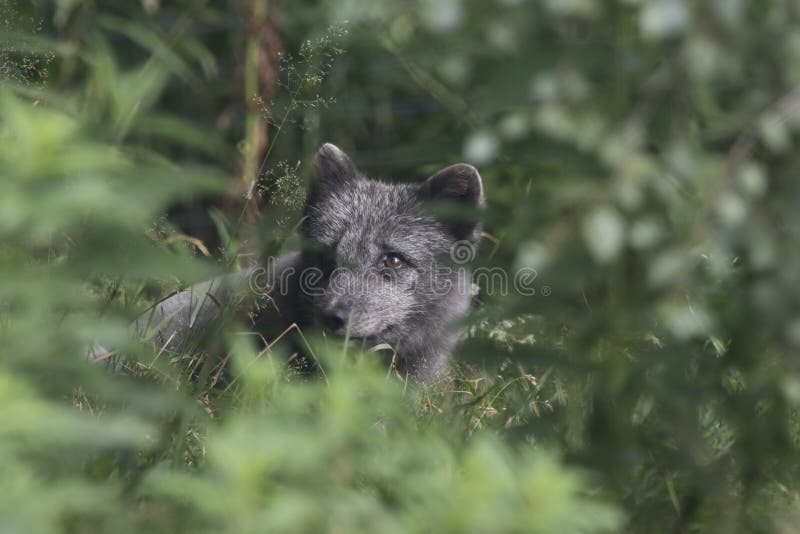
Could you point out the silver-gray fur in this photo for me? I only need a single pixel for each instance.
(376, 263)
(356, 221)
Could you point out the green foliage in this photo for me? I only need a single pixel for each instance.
(640, 374)
(346, 454)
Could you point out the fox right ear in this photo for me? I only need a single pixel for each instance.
(459, 185)
(333, 168)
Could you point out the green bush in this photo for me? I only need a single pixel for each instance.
(638, 159)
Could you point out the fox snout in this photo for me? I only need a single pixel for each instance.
(334, 319)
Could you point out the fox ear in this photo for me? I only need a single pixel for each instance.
(459, 185)
(333, 168)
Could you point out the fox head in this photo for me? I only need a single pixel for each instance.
(382, 266)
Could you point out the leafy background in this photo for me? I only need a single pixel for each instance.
(638, 156)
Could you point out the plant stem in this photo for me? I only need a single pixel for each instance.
(255, 125)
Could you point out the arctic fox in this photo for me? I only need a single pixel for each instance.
(377, 265)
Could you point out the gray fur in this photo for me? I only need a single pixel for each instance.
(350, 223)
(359, 220)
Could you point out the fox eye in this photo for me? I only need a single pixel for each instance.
(391, 261)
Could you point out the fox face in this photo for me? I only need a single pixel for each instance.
(379, 264)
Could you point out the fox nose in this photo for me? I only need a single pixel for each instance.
(334, 319)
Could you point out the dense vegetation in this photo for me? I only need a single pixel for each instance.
(640, 165)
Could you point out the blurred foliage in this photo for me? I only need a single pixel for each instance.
(640, 167)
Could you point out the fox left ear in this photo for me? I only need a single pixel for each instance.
(333, 167)
(459, 185)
